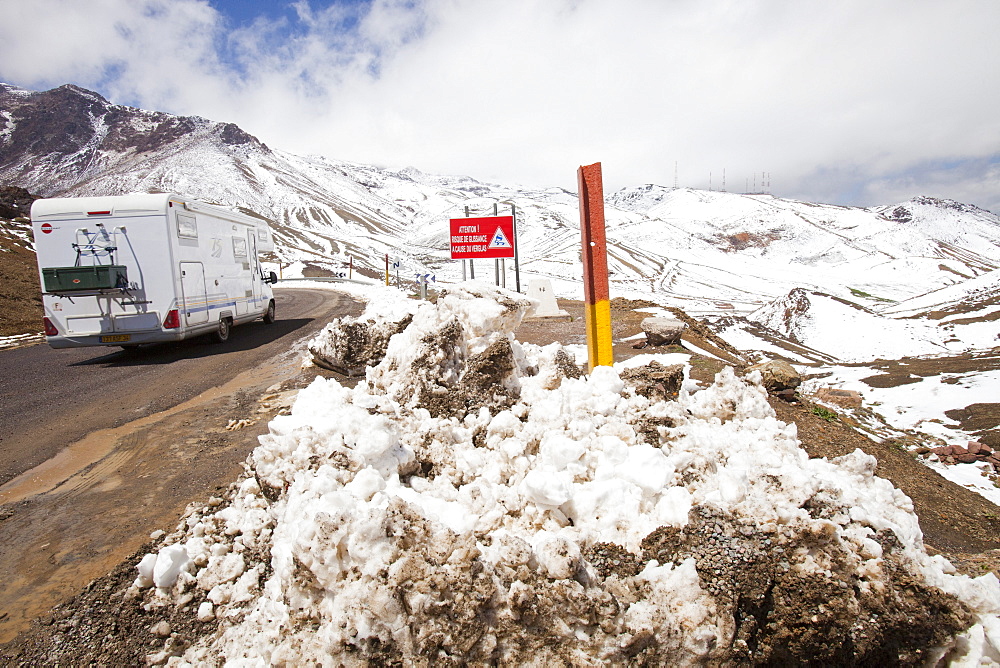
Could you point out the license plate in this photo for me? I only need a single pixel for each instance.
(116, 338)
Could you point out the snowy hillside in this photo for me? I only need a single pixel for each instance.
(815, 283)
(707, 252)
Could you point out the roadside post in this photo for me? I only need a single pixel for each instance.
(517, 264)
(597, 310)
(422, 280)
(386, 270)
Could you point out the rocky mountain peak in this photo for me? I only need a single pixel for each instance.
(55, 139)
(233, 135)
(82, 92)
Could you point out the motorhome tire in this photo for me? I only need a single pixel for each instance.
(221, 334)
(269, 313)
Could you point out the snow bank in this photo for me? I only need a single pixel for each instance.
(477, 499)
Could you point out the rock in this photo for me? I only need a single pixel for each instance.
(966, 458)
(160, 629)
(206, 612)
(787, 395)
(845, 398)
(977, 448)
(663, 331)
(777, 375)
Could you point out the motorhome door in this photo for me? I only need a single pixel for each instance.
(255, 277)
(194, 293)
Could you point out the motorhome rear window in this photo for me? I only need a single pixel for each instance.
(187, 228)
(239, 247)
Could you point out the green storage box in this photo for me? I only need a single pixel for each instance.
(70, 279)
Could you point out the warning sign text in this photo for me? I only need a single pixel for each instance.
(490, 237)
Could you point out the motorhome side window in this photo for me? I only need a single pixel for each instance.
(187, 228)
(239, 247)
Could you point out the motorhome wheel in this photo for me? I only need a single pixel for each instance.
(221, 334)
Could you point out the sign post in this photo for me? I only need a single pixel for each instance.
(517, 264)
(597, 310)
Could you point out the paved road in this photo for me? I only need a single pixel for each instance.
(94, 503)
(51, 398)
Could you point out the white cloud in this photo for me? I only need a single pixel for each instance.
(833, 99)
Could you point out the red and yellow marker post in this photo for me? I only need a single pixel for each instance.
(597, 310)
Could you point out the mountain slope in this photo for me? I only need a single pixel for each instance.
(711, 253)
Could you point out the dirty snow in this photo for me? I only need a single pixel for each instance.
(368, 529)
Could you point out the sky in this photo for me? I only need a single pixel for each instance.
(851, 102)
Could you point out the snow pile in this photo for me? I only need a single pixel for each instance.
(476, 499)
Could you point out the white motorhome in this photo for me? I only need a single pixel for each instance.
(134, 269)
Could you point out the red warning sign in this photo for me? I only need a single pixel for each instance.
(490, 237)
(46, 228)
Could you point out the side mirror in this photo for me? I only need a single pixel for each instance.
(272, 278)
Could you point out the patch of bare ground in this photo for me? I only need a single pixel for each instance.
(910, 369)
(20, 295)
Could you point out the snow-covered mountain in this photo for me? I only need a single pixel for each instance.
(711, 253)
(307, 558)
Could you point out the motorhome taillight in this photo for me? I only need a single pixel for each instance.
(50, 329)
(98, 213)
(172, 321)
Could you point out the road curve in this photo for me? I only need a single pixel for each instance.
(51, 398)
